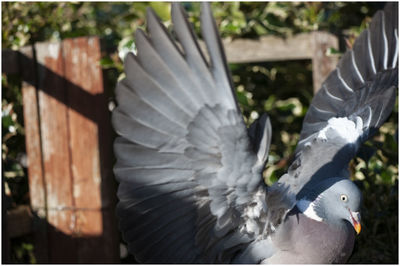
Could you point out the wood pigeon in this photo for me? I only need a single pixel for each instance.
(190, 171)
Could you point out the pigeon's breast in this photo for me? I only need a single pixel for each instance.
(303, 240)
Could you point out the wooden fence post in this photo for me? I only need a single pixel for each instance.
(69, 151)
(322, 64)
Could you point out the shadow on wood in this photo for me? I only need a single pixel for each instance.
(69, 148)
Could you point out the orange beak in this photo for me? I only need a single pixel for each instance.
(356, 218)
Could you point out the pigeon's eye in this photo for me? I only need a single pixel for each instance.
(343, 198)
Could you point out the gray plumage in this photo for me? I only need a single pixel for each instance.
(191, 189)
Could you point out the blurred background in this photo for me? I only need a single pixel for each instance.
(282, 89)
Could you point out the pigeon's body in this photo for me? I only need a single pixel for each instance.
(190, 172)
(304, 240)
(307, 237)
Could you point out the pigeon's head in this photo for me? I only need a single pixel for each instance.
(335, 200)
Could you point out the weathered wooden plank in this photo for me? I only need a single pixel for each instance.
(111, 236)
(33, 149)
(54, 126)
(268, 48)
(56, 151)
(34, 152)
(83, 130)
(322, 63)
(69, 140)
(88, 120)
(32, 132)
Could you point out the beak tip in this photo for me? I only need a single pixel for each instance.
(357, 227)
(355, 217)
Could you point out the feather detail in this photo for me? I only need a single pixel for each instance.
(186, 166)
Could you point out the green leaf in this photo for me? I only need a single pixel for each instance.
(106, 62)
(242, 99)
(7, 121)
(386, 176)
(162, 9)
(269, 103)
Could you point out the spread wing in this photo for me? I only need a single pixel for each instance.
(189, 173)
(353, 102)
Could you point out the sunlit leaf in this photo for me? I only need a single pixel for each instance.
(163, 9)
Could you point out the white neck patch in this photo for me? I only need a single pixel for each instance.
(307, 208)
(343, 127)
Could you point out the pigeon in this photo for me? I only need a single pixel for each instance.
(190, 171)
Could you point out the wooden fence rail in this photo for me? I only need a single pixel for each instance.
(69, 139)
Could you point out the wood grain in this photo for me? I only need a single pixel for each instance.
(69, 146)
(33, 143)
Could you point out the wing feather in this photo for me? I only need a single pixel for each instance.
(153, 64)
(352, 104)
(193, 54)
(219, 66)
(152, 93)
(171, 55)
(186, 166)
(139, 110)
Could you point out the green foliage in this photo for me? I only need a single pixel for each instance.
(282, 89)
(268, 87)
(23, 251)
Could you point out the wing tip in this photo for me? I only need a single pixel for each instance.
(177, 12)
